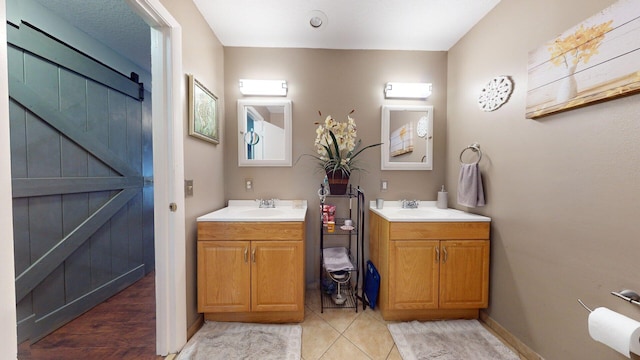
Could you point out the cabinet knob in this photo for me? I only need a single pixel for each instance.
(246, 254)
(437, 254)
(253, 255)
(444, 250)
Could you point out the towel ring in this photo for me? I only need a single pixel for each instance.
(251, 137)
(475, 147)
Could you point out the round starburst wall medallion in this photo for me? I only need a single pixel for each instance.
(495, 93)
(423, 126)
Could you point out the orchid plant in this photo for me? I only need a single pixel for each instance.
(337, 145)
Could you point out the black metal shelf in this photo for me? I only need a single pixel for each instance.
(346, 238)
(350, 303)
(338, 230)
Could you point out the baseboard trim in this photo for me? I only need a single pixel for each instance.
(193, 329)
(521, 347)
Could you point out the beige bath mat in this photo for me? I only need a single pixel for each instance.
(225, 341)
(448, 340)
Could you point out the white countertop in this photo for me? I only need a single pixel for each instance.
(426, 212)
(248, 211)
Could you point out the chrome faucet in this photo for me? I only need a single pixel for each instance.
(410, 204)
(267, 203)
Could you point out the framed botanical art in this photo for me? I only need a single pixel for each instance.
(203, 112)
(596, 60)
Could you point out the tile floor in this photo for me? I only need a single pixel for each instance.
(344, 334)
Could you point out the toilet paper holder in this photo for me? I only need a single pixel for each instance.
(626, 295)
(584, 306)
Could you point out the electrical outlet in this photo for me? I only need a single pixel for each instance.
(384, 185)
(248, 184)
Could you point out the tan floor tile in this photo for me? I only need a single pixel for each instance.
(340, 319)
(364, 334)
(344, 349)
(317, 336)
(394, 354)
(370, 335)
(376, 314)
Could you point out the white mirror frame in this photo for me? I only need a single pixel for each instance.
(386, 163)
(288, 124)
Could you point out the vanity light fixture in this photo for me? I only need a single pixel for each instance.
(263, 87)
(407, 90)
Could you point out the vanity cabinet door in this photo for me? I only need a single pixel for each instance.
(224, 276)
(277, 272)
(464, 274)
(413, 274)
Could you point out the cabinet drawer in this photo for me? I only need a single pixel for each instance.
(250, 230)
(438, 230)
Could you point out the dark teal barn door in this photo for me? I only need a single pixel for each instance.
(80, 154)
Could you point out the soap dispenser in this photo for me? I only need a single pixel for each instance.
(442, 199)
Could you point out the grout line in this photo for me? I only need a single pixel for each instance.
(329, 347)
(357, 347)
(359, 313)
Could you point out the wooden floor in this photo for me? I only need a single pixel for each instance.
(123, 327)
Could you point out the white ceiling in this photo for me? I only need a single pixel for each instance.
(352, 24)
(433, 25)
(111, 22)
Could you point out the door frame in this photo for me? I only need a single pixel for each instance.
(169, 227)
(8, 318)
(168, 171)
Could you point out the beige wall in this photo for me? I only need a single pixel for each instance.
(202, 56)
(562, 190)
(334, 82)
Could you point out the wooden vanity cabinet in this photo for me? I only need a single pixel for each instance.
(464, 274)
(224, 276)
(251, 271)
(430, 270)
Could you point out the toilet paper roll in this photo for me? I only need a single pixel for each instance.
(615, 330)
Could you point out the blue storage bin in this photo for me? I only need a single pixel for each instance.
(371, 284)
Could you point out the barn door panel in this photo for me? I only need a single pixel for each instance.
(80, 152)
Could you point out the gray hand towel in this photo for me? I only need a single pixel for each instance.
(470, 192)
(336, 259)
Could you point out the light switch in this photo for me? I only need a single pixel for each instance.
(384, 185)
(188, 188)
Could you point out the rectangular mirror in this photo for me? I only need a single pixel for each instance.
(407, 137)
(264, 133)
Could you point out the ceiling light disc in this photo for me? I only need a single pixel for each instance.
(317, 19)
(315, 22)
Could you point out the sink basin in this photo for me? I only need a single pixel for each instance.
(426, 212)
(260, 212)
(248, 211)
